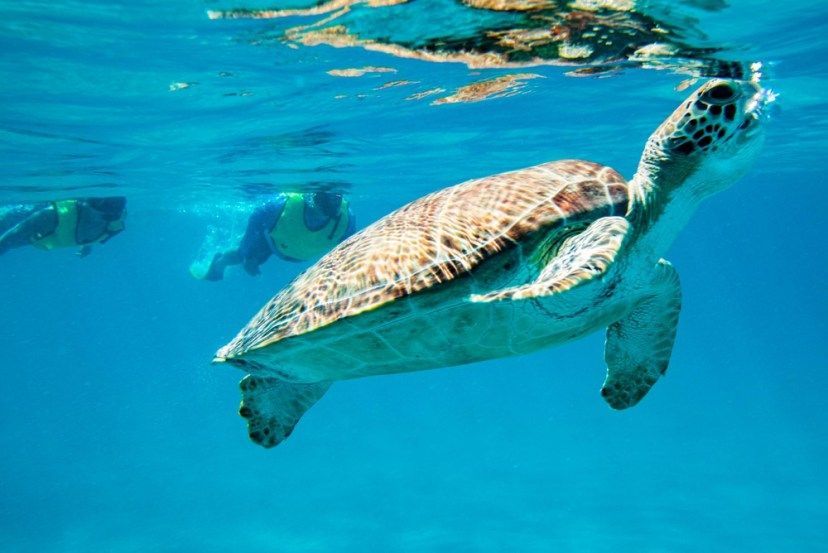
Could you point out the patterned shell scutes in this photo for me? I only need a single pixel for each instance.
(432, 240)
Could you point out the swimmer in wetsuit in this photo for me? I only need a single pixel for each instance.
(78, 223)
(294, 226)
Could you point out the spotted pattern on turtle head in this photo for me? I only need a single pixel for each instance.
(708, 119)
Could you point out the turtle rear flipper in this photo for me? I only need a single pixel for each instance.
(580, 259)
(272, 406)
(638, 346)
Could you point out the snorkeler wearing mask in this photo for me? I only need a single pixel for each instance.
(294, 226)
(78, 222)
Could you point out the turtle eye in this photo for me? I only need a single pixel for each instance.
(719, 94)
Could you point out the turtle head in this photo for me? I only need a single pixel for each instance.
(709, 141)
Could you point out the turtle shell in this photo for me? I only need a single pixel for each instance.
(431, 241)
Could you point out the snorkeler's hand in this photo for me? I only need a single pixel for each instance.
(84, 251)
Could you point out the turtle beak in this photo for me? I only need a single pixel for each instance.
(228, 356)
(224, 354)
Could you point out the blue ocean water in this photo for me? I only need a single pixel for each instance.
(118, 435)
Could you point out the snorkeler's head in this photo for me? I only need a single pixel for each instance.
(111, 208)
(328, 203)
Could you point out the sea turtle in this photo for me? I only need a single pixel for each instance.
(501, 266)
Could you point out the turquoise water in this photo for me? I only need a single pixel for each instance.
(118, 435)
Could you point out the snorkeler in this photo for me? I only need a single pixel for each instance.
(78, 222)
(294, 226)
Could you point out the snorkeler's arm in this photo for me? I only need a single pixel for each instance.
(256, 245)
(275, 209)
(351, 224)
(86, 249)
(270, 214)
(109, 235)
(264, 218)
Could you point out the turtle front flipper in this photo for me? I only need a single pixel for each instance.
(580, 259)
(638, 346)
(272, 407)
